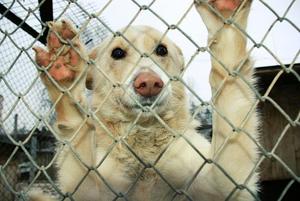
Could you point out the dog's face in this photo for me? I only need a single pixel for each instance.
(137, 71)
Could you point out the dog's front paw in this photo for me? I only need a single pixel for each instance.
(225, 5)
(215, 12)
(64, 61)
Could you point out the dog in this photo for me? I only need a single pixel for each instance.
(135, 139)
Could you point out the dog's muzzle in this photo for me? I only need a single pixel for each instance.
(148, 84)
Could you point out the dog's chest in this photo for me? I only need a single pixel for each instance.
(144, 145)
(140, 149)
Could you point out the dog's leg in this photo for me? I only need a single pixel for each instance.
(67, 68)
(231, 148)
(38, 195)
(66, 65)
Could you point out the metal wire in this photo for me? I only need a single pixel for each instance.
(25, 95)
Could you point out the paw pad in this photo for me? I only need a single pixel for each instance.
(63, 62)
(225, 5)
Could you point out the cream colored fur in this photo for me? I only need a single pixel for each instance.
(116, 110)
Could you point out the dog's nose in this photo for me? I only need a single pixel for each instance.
(148, 84)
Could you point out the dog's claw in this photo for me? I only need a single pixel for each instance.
(42, 57)
(67, 31)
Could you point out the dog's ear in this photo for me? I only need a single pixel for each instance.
(89, 78)
(180, 58)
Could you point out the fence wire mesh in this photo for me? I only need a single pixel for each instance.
(27, 116)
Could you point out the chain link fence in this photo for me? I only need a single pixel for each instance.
(27, 116)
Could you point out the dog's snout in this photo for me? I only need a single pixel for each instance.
(148, 84)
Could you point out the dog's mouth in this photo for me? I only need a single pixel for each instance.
(147, 102)
(139, 103)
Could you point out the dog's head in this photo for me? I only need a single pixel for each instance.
(136, 71)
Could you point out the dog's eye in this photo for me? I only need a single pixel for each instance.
(118, 53)
(161, 50)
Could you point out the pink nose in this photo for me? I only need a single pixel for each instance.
(148, 84)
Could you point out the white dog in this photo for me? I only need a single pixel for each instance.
(139, 141)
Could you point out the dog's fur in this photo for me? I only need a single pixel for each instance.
(110, 147)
